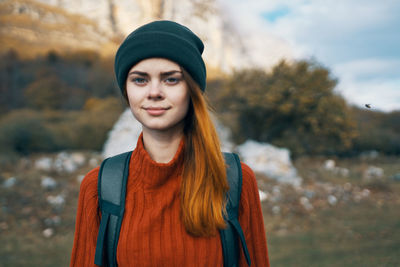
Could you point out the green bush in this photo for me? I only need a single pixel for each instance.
(88, 129)
(25, 131)
(378, 131)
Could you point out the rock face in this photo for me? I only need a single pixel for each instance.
(34, 26)
(119, 17)
(97, 23)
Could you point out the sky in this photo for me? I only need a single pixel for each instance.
(358, 40)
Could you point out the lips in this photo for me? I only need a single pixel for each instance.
(156, 111)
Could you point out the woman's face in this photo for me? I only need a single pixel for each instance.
(158, 95)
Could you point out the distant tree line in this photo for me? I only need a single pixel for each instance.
(71, 101)
(54, 81)
(55, 102)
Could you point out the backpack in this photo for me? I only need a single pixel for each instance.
(112, 179)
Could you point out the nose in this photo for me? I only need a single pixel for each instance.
(155, 90)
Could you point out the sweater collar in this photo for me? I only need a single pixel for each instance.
(151, 173)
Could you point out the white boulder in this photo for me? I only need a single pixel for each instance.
(373, 173)
(10, 182)
(272, 161)
(123, 137)
(48, 182)
(44, 164)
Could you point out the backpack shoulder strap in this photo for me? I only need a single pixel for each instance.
(233, 231)
(112, 179)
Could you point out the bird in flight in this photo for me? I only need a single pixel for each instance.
(368, 105)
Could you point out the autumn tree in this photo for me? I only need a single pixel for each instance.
(294, 105)
(46, 93)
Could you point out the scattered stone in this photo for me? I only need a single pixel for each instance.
(48, 183)
(329, 164)
(305, 202)
(347, 186)
(44, 164)
(48, 232)
(52, 221)
(276, 194)
(359, 194)
(365, 193)
(309, 194)
(357, 197)
(271, 161)
(276, 210)
(341, 171)
(276, 190)
(332, 200)
(373, 173)
(56, 201)
(263, 195)
(63, 163)
(10, 182)
(78, 158)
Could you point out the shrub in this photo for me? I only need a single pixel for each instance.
(294, 105)
(23, 132)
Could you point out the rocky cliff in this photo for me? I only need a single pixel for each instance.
(41, 25)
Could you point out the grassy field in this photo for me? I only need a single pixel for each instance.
(356, 235)
(350, 233)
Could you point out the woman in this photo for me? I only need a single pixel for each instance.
(175, 196)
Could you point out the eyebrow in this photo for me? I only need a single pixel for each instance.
(163, 74)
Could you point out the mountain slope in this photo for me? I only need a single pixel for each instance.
(42, 25)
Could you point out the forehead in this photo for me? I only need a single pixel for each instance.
(156, 65)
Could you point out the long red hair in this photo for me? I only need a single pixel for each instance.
(204, 183)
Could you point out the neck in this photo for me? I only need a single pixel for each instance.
(161, 146)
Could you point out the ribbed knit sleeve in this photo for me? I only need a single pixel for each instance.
(252, 222)
(87, 222)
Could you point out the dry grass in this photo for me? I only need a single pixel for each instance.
(364, 233)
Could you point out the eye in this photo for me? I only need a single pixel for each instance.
(172, 80)
(139, 80)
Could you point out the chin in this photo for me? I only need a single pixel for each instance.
(164, 127)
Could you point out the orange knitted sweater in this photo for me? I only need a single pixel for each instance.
(152, 233)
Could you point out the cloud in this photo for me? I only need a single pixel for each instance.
(358, 39)
(369, 69)
(383, 95)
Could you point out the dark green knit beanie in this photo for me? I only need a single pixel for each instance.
(163, 39)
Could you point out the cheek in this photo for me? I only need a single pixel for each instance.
(133, 96)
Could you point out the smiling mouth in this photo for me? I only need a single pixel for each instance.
(156, 108)
(156, 111)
